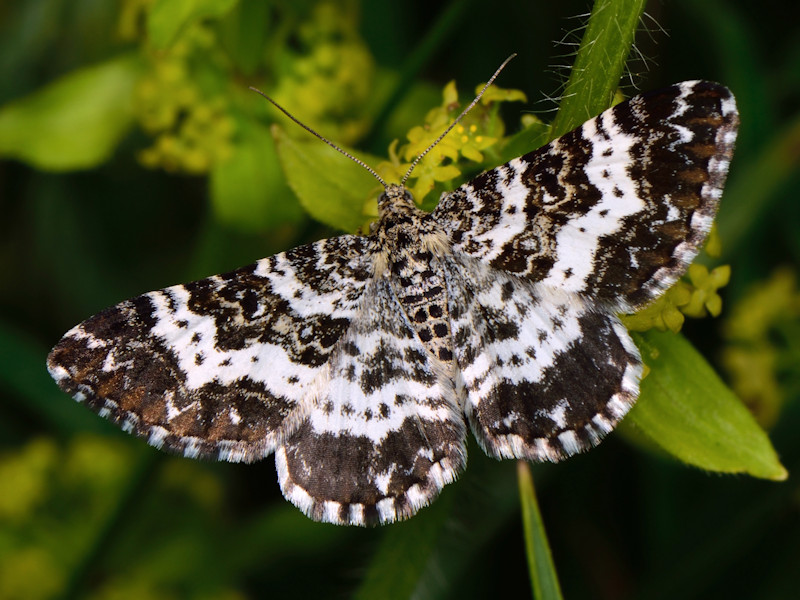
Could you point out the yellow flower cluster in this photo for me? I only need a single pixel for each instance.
(698, 297)
(482, 128)
(187, 103)
(192, 131)
(754, 356)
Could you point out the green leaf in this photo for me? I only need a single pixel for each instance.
(593, 79)
(248, 191)
(688, 411)
(76, 121)
(330, 187)
(544, 579)
(599, 64)
(167, 18)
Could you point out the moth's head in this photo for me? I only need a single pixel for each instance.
(393, 197)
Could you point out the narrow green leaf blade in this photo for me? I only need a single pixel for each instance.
(167, 18)
(544, 579)
(687, 410)
(76, 121)
(248, 191)
(330, 187)
(599, 64)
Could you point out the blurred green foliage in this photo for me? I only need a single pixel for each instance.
(136, 157)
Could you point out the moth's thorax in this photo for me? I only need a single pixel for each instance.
(411, 245)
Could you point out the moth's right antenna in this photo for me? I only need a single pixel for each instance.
(324, 139)
(454, 123)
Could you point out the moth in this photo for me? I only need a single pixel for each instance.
(361, 361)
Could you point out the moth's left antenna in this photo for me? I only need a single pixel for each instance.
(324, 139)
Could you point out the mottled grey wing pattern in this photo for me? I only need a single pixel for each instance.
(223, 366)
(387, 431)
(614, 210)
(546, 374)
